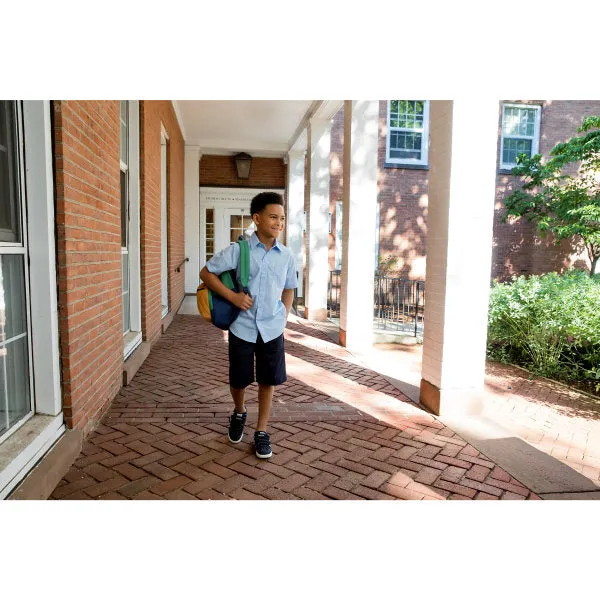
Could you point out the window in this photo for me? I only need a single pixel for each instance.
(407, 140)
(16, 402)
(210, 233)
(520, 132)
(125, 214)
(130, 224)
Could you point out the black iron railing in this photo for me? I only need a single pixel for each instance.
(398, 303)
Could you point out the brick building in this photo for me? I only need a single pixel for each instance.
(403, 189)
(92, 238)
(109, 209)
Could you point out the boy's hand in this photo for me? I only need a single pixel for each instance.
(242, 301)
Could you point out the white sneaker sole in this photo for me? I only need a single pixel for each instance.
(236, 441)
(264, 455)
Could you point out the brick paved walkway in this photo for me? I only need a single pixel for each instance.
(339, 431)
(551, 417)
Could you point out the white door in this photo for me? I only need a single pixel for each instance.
(236, 222)
(164, 226)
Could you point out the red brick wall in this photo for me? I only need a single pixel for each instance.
(517, 249)
(88, 220)
(402, 195)
(152, 114)
(264, 172)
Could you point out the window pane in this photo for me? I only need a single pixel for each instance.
(405, 145)
(13, 316)
(124, 209)
(125, 275)
(210, 247)
(210, 215)
(407, 114)
(519, 121)
(124, 126)
(10, 207)
(15, 400)
(513, 147)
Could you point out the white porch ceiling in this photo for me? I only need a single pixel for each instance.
(259, 127)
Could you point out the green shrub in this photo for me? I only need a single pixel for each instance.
(549, 324)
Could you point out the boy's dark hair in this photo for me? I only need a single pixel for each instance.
(261, 200)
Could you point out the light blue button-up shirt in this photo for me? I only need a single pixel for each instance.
(271, 271)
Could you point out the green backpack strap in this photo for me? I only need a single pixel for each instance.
(244, 264)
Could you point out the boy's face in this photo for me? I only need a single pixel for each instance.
(270, 221)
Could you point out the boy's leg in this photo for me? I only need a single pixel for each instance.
(238, 398)
(241, 369)
(265, 397)
(241, 374)
(270, 371)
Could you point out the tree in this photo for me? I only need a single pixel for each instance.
(558, 202)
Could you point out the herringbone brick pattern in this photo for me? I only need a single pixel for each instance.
(339, 431)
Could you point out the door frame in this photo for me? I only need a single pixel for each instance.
(220, 200)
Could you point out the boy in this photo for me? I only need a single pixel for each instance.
(258, 330)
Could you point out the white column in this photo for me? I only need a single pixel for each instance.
(317, 220)
(459, 248)
(295, 210)
(361, 119)
(192, 217)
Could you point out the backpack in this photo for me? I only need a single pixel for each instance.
(214, 308)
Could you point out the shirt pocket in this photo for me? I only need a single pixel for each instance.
(277, 277)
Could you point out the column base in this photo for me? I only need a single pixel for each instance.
(450, 402)
(342, 337)
(315, 314)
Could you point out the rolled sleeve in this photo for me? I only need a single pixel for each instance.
(291, 278)
(224, 260)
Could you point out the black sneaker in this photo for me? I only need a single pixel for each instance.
(262, 444)
(236, 426)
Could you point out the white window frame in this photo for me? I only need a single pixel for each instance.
(38, 434)
(536, 134)
(22, 249)
(424, 160)
(164, 221)
(133, 338)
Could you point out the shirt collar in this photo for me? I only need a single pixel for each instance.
(256, 242)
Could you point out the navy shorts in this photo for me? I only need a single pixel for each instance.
(270, 361)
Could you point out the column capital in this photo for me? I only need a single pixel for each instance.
(193, 150)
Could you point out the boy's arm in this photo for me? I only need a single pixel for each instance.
(287, 297)
(213, 282)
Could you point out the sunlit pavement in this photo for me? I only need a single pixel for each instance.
(339, 431)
